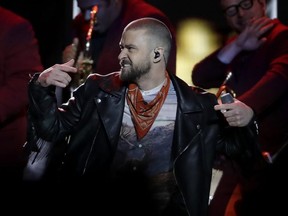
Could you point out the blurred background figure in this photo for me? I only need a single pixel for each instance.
(257, 56)
(19, 59)
(97, 37)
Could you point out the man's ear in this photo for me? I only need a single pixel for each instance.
(158, 53)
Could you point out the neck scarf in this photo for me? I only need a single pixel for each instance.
(143, 113)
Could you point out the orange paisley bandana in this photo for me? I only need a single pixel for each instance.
(143, 113)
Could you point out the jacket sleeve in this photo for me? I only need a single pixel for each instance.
(273, 85)
(241, 145)
(50, 122)
(209, 72)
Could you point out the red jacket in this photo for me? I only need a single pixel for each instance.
(260, 80)
(19, 57)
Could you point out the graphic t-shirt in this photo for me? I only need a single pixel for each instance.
(149, 160)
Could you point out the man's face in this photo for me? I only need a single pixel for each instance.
(240, 12)
(103, 14)
(135, 55)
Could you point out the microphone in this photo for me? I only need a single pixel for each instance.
(226, 98)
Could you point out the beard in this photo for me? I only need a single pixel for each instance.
(132, 73)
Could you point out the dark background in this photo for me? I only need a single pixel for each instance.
(51, 19)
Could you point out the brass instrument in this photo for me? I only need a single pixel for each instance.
(85, 62)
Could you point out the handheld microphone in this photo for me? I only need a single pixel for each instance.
(226, 98)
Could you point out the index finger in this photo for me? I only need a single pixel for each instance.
(67, 67)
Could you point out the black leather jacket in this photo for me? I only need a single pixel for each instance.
(94, 117)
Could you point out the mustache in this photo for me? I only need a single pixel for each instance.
(124, 62)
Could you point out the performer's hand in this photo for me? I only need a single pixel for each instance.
(237, 114)
(57, 75)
